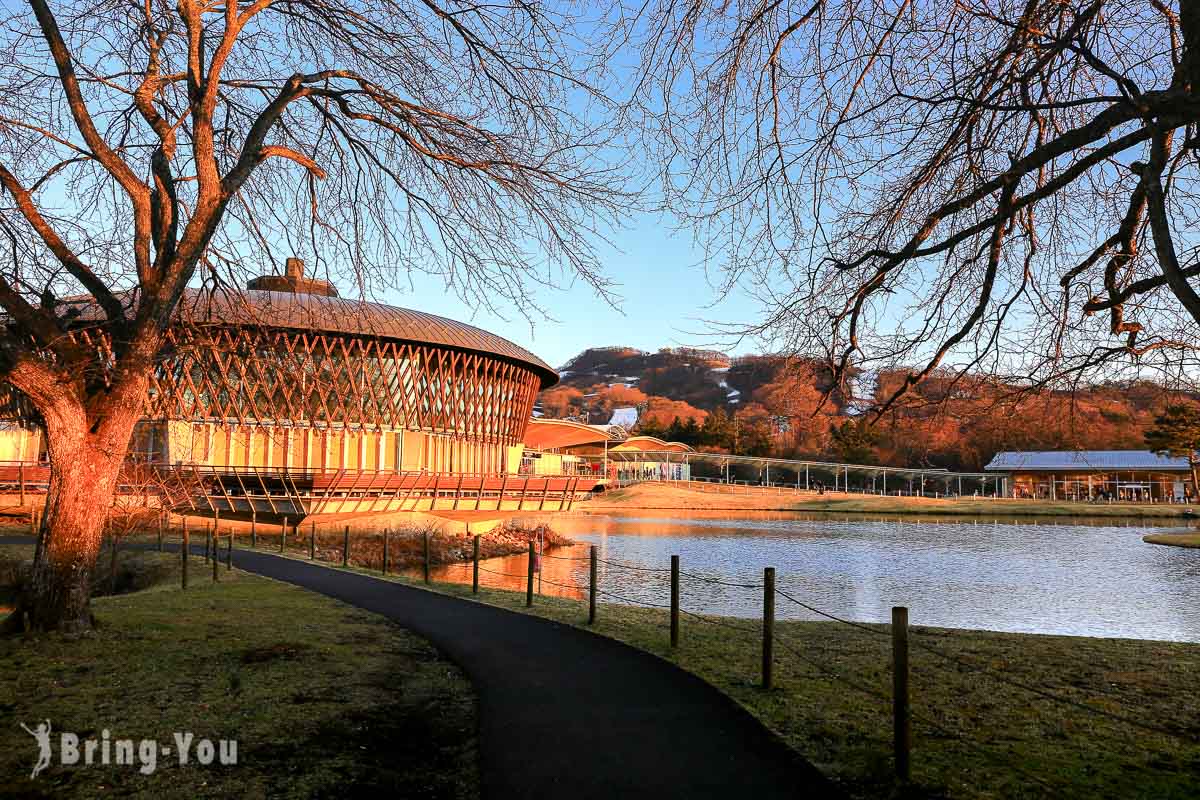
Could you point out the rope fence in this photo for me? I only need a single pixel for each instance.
(898, 632)
(590, 584)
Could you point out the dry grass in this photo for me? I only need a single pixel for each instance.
(663, 496)
(1173, 539)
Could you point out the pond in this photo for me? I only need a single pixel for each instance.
(1074, 577)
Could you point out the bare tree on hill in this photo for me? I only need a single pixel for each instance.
(988, 186)
(145, 145)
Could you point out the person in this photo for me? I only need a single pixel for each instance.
(42, 734)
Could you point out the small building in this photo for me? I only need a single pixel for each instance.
(1131, 475)
(649, 458)
(564, 447)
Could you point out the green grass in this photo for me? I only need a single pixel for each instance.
(324, 700)
(1173, 539)
(988, 738)
(995, 728)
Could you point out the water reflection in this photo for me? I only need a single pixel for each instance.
(1080, 577)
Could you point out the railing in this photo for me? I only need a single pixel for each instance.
(291, 490)
(747, 488)
(314, 491)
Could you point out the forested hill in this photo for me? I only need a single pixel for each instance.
(762, 405)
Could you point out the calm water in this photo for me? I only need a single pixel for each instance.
(1078, 578)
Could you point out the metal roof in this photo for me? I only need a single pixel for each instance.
(325, 314)
(652, 443)
(548, 434)
(1066, 460)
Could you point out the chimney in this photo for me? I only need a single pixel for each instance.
(294, 269)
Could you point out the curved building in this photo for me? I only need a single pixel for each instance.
(284, 398)
(303, 379)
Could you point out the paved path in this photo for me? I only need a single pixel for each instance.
(570, 715)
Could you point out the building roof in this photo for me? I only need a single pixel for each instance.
(549, 434)
(1066, 460)
(330, 314)
(652, 443)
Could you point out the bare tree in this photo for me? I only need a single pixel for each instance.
(984, 186)
(147, 146)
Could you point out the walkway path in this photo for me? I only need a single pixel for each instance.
(570, 715)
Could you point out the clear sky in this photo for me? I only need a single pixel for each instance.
(664, 298)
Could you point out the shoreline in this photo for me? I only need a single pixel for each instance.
(668, 497)
(844, 730)
(1186, 540)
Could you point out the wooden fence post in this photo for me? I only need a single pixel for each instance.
(346, 547)
(901, 720)
(312, 541)
(160, 532)
(674, 601)
(529, 579)
(229, 550)
(387, 532)
(592, 588)
(283, 534)
(768, 643)
(183, 554)
(216, 560)
(425, 537)
(207, 542)
(253, 528)
(475, 566)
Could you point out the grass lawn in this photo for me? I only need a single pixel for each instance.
(976, 735)
(983, 731)
(324, 700)
(1173, 539)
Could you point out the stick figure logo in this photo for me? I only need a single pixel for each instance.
(42, 734)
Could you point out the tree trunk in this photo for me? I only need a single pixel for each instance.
(84, 470)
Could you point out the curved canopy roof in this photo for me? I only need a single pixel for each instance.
(328, 314)
(548, 434)
(653, 443)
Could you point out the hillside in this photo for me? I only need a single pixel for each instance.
(762, 405)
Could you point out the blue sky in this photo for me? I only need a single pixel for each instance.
(664, 298)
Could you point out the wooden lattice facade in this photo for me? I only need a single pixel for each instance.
(279, 398)
(301, 385)
(264, 377)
